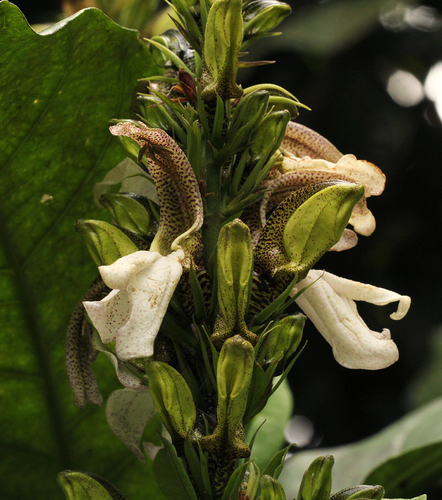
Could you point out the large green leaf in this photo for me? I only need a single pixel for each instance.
(405, 458)
(58, 89)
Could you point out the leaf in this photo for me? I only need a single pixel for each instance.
(78, 485)
(171, 475)
(57, 92)
(404, 457)
(270, 437)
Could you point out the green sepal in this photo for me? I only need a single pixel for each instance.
(130, 211)
(276, 464)
(105, 242)
(170, 474)
(78, 485)
(172, 398)
(222, 42)
(360, 492)
(317, 479)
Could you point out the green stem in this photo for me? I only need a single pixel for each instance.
(212, 210)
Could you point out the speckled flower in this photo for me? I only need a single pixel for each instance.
(142, 285)
(329, 302)
(309, 159)
(176, 184)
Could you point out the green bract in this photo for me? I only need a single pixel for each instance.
(105, 242)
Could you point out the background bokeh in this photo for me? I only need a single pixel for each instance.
(370, 70)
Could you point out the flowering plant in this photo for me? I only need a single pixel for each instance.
(232, 205)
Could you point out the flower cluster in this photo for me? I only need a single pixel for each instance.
(198, 273)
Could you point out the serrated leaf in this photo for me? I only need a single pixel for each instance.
(396, 457)
(58, 90)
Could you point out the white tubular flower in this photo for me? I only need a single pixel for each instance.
(143, 284)
(329, 303)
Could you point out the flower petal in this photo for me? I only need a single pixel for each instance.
(149, 293)
(128, 413)
(328, 303)
(302, 141)
(368, 293)
(109, 315)
(177, 186)
(119, 274)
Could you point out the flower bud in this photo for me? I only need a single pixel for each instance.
(261, 16)
(249, 111)
(172, 398)
(78, 485)
(317, 479)
(283, 340)
(174, 41)
(250, 483)
(235, 258)
(361, 491)
(129, 211)
(271, 489)
(234, 374)
(304, 226)
(222, 42)
(269, 134)
(105, 242)
(235, 262)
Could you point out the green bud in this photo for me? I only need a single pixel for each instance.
(271, 489)
(250, 109)
(269, 134)
(304, 226)
(234, 374)
(235, 264)
(250, 483)
(222, 42)
(261, 16)
(105, 242)
(361, 491)
(78, 485)
(129, 211)
(317, 479)
(283, 340)
(174, 41)
(172, 398)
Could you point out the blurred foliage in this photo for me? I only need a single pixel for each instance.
(57, 95)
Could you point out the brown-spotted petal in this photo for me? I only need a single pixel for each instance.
(302, 141)
(176, 183)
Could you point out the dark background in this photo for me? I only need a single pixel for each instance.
(344, 82)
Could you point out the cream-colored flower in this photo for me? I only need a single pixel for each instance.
(142, 285)
(329, 303)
